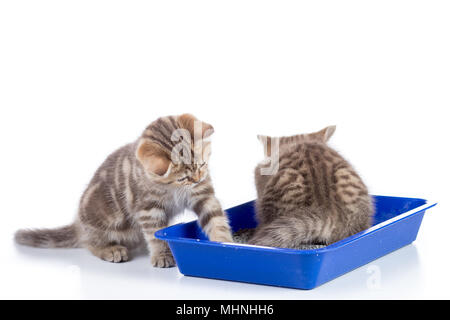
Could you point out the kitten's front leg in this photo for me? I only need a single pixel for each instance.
(151, 221)
(211, 218)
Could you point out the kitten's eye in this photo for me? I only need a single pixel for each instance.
(202, 165)
(182, 179)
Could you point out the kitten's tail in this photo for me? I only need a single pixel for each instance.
(284, 232)
(63, 237)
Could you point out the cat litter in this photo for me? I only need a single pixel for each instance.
(396, 224)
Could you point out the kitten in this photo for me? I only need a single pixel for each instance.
(137, 190)
(315, 197)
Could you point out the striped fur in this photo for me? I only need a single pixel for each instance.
(135, 192)
(316, 197)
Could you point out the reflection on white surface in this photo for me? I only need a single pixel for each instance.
(393, 276)
(75, 273)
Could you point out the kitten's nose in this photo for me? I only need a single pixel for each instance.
(195, 177)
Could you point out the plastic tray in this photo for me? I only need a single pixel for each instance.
(396, 224)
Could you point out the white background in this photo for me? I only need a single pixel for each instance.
(78, 79)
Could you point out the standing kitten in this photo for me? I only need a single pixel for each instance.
(315, 197)
(137, 190)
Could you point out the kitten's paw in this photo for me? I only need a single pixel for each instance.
(114, 254)
(218, 229)
(221, 237)
(163, 260)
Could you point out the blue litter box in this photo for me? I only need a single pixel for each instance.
(396, 224)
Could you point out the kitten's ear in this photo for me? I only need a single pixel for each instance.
(188, 122)
(152, 157)
(206, 151)
(326, 133)
(266, 142)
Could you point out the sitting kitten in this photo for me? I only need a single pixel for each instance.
(135, 192)
(316, 197)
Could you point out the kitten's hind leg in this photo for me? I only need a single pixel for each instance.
(113, 253)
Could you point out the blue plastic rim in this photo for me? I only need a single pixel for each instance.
(396, 224)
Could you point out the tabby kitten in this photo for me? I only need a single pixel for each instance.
(138, 189)
(315, 197)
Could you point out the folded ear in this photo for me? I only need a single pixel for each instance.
(152, 157)
(326, 133)
(189, 122)
(267, 144)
